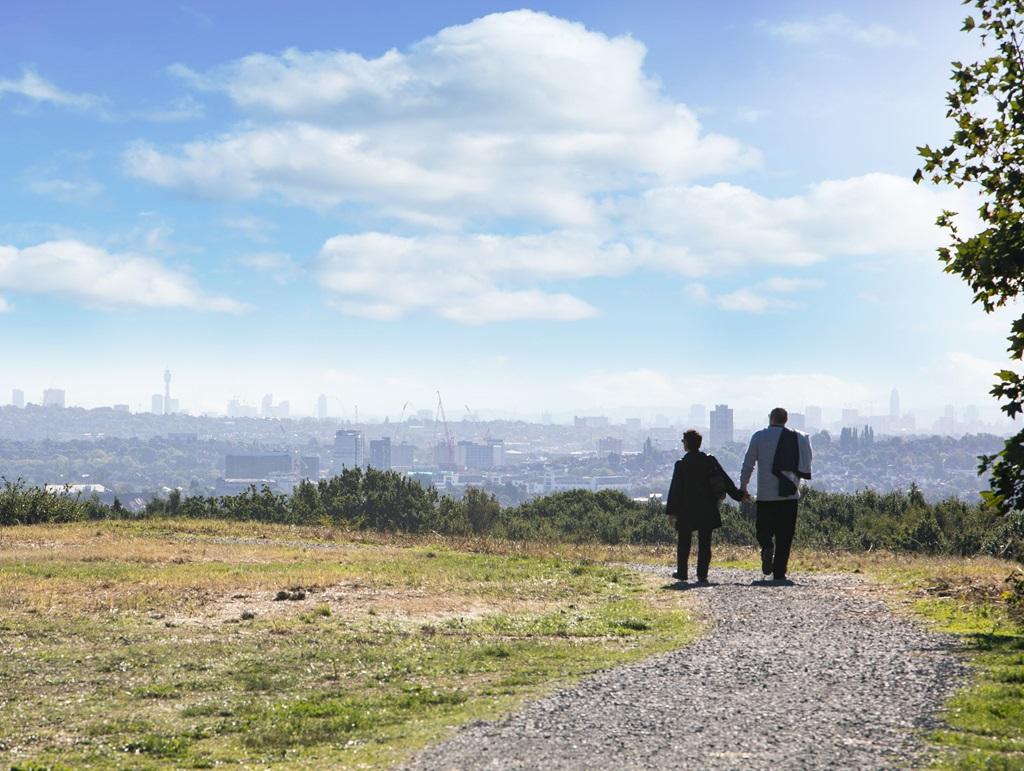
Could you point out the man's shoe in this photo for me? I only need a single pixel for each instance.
(766, 565)
(703, 582)
(679, 577)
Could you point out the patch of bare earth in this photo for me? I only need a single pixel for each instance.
(347, 600)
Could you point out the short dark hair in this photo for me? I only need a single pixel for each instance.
(778, 415)
(692, 439)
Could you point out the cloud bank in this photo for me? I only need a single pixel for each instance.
(92, 276)
(491, 161)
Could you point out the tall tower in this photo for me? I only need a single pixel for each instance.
(894, 404)
(167, 391)
(721, 426)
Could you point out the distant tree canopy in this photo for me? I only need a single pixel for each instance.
(987, 150)
(388, 502)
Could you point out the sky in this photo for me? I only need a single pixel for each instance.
(572, 207)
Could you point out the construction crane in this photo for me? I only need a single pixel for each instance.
(447, 434)
(401, 418)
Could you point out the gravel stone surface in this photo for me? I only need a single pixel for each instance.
(816, 675)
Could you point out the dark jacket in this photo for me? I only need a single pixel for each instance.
(691, 499)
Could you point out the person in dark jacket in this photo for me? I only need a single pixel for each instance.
(699, 484)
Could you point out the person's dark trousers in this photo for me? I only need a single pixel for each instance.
(776, 523)
(703, 553)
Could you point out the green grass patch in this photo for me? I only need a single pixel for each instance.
(984, 722)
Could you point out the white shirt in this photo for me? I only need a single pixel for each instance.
(762, 452)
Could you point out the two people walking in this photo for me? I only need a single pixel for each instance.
(782, 457)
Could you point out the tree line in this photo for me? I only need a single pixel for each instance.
(387, 501)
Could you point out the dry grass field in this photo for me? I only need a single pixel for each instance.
(195, 644)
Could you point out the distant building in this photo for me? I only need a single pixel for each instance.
(721, 432)
(850, 417)
(257, 465)
(282, 409)
(797, 421)
(121, 408)
(18, 398)
(610, 445)
(309, 467)
(156, 402)
(442, 457)
(813, 418)
(633, 424)
(698, 415)
(402, 456)
(348, 450)
(321, 407)
(84, 489)
(590, 421)
(894, 405)
(237, 409)
(380, 453)
(267, 406)
(171, 407)
(480, 455)
(425, 415)
(53, 397)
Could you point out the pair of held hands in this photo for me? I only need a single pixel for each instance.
(744, 497)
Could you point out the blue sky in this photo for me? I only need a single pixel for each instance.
(576, 207)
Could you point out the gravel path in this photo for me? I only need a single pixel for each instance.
(817, 675)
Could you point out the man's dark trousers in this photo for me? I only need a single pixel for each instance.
(776, 523)
(703, 553)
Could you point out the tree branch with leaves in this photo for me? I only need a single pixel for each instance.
(986, 152)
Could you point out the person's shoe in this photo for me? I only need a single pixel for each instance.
(703, 582)
(676, 575)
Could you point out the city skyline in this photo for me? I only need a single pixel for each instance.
(894, 420)
(199, 209)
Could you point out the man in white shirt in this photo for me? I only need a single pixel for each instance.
(783, 458)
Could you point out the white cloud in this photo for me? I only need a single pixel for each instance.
(253, 228)
(519, 123)
(697, 292)
(38, 89)
(281, 266)
(836, 26)
(5, 306)
(762, 296)
(751, 115)
(513, 115)
(76, 191)
(183, 108)
(971, 375)
(96, 277)
(696, 230)
(647, 388)
(469, 279)
(751, 301)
